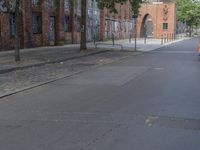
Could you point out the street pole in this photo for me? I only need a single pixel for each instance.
(93, 30)
(135, 31)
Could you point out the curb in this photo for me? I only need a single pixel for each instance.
(50, 62)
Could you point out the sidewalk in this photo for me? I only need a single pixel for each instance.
(48, 55)
(41, 56)
(51, 63)
(151, 44)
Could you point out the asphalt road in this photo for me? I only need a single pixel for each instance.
(144, 102)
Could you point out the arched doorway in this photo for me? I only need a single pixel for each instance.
(147, 27)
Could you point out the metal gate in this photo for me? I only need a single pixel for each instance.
(52, 30)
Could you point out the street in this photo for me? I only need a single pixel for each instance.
(148, 101)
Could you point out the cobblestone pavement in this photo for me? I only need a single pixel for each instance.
(41, 56)
(23, 79)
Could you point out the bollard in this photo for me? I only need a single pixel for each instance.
(162, 39)
(167, 37)
(170, 37)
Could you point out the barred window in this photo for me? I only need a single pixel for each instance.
(165, 26)
(37, 23)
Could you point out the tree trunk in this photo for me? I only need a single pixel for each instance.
(17, 30)
(83, 45)
(190, 31)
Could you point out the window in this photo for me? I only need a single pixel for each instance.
(52, 4)
(68, 5)
(124, 10)
(36, 2)
(113, 26)
(12, 24)
(165, 26)
(78, 25)
(66, 24)
(124, 26)
(37, 23)
(78, 8)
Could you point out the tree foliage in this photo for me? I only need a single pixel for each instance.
(110, 4)
(188, 11)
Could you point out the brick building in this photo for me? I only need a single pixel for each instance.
(157, 18)
(52, 22)
(47, 22)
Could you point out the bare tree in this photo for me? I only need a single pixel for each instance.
(83, 45)
(13, 7)
(17, 30)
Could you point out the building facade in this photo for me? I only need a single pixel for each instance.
(118, 25)
(157, 19)
(47, 22)
(58, 22)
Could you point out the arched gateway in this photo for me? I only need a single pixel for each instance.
(157, 19)
(147, 26)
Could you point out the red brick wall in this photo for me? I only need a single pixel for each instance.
(156, 13)
(28, 39)
(123, 15)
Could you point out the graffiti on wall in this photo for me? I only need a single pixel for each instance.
(7, 6)
(93, 21)
(68, 5)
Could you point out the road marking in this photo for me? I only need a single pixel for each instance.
(158, 68)
(176, 52)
